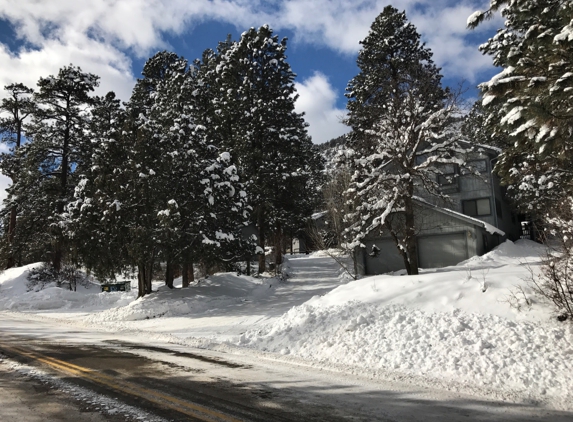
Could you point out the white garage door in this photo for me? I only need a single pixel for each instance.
(442, 250)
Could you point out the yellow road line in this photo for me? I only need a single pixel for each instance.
(163, 400)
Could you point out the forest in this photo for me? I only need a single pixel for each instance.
(204, 149)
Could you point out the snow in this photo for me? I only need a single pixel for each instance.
(450, 326)
(473, 18)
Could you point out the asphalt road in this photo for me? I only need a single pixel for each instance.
(82, 375)
(169, 391)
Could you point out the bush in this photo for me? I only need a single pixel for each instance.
(46, 275)
(555, 282)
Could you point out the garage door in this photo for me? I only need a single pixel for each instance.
(388, 259)
(442, 250)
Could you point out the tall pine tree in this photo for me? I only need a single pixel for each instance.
(401, 133)
(157, 189)
(529, 102)
(253, 95)
(59, 132)
(95, 223)
(15, 109)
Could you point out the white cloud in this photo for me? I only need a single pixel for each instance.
(138, 25)
(454, 48)
(28, 65)
(100, 36)
(5, 182)
(317, 99)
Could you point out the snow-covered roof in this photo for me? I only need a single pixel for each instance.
(491, 148)
(488, 227)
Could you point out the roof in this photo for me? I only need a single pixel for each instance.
(476, 222)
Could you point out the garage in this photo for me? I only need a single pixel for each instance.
(442, 250)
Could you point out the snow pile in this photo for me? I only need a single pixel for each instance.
(216, 292)
(442, 324)
(13, 281)
(14, 295)
(486, 350)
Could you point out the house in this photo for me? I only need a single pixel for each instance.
(475, 219)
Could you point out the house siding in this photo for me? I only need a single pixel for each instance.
(438, 227)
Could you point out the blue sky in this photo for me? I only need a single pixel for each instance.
(113, 40)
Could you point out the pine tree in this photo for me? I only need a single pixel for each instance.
(206, 204)
(480, 128)
(16, 108)
(253, 96)
(157, 189)
(96, 223)
(58, 131)
(529, 101)
(401, 133)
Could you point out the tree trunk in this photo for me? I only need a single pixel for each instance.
(11, 235)
(140, 280)
(144, 272)
(278, 248)
(261, 227)
(169, 275)
(59, 246)
(57, 255)
(148, 274)
(411, 240)
(187, 274)
(14, 210)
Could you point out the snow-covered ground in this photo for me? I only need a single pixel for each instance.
(452, 327)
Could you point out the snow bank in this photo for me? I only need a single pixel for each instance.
(453, 324)
(218, 291)
(485, 350)
(15, 296)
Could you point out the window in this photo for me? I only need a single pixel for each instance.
(448, 177)
(477, 207)
(479, 165)
(476, 165)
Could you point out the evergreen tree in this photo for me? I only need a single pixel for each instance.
(16, 108)
(253, 95)
(157, 189)
(59, 131)
(479, 127)
(206, 204)
(529, 102)
(96, 224)
(402, 133)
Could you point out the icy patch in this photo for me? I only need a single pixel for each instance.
(103, 404)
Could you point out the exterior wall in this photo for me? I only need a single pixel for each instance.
(470, 187)
(433, 224)
(508, 221)
(443, 250)
(388, 259)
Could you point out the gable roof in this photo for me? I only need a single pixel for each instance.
(457, 215)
